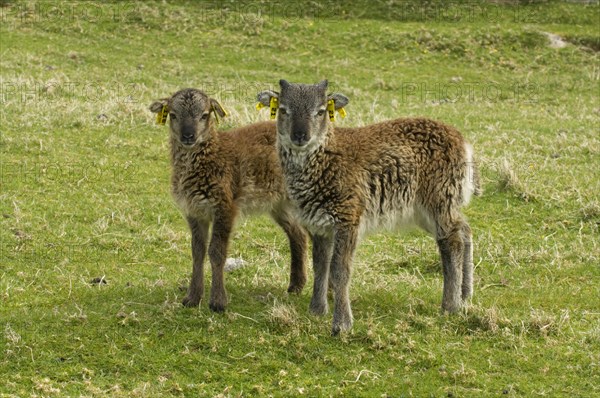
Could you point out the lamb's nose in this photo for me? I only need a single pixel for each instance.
(300, 137)
(187, 133)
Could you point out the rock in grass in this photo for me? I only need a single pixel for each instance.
(231, 264)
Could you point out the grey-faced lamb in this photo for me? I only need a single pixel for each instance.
(217, 174)
(389, 174)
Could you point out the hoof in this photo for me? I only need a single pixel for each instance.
(297, 289)
(339, 328)
(342, 321)
(448, 309)
(190, 301)
(217, 307)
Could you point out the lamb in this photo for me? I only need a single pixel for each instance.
(217, 174)
(344, 183)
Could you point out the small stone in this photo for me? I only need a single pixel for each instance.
(231, 264)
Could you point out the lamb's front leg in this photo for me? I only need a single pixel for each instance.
(344, 244)
(322, 248)
(199, 231)
(217, 251)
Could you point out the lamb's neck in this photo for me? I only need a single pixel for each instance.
(304, 169)
(182, 156)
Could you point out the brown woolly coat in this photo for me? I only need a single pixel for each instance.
(409, 171)
(239, 170)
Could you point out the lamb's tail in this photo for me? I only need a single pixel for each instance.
(472, 182)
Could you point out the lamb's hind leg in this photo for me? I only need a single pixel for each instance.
(467, 270)
(450, 243)
(199, 231)
(298, 246)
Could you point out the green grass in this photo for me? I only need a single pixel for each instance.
(84, 194)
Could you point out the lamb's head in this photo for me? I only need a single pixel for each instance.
(303, 121)
(189, 114)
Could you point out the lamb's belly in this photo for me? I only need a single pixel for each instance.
(390, 220)
(258, 201)
(196, 206)
(397, 220)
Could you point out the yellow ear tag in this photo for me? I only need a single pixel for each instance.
(161, 117)
(259, 106)
(331, 110)
(216, 115)
(273, 105)
(225, 113)
(342, 112)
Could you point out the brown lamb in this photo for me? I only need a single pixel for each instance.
(404, 171)
(217, 174)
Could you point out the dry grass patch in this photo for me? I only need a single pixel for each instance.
(477, 318)
(590, 212)
(543, 324)
(510, 181)
(284, 316)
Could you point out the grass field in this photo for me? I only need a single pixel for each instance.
(93, 252)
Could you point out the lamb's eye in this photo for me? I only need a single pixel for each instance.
(283, 111)
(321, 112)
(172, 116)
(204, 116)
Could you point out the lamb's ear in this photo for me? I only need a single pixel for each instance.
(157, 106)
(340, 100)
(284, 84)
(323, 84)
(264, 97)
(217, 108)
